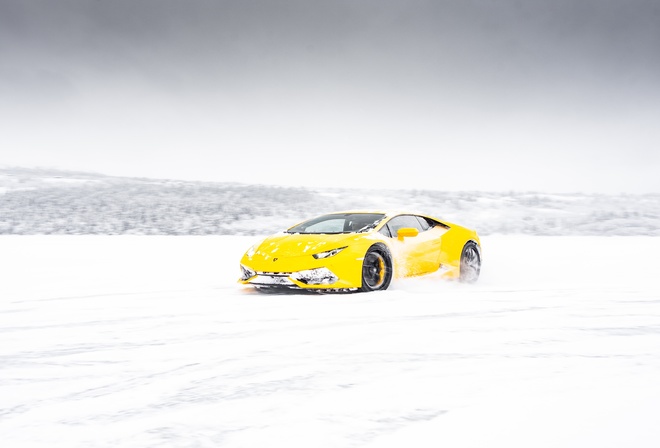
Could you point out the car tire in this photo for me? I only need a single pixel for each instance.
(376, 269)
(470, 263)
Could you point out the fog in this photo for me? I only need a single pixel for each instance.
(559, 96)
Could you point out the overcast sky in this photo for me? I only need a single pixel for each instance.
(555, 95)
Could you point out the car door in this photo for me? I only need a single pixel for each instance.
(415, 255)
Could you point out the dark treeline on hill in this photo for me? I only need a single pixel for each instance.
(52, 202)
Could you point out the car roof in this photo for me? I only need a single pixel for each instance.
(386, 212)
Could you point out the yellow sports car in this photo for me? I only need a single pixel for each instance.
(361, 251)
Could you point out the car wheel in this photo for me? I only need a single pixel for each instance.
(376, 269)
(470, 263)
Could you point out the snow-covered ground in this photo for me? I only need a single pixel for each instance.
(148, 341)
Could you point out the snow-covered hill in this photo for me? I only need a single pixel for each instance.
(134, 342)
(56, 202)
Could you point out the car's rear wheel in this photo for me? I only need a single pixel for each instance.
(376, 269)
(470, 263)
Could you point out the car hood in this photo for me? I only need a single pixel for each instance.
(298, 244)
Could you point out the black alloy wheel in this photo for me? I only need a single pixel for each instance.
(376, 270)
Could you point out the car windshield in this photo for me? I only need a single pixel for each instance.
(339, 223)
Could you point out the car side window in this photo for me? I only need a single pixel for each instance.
(424, 223)
(399, 222)
(385, 230)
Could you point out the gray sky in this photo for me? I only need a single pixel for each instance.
(552, 95)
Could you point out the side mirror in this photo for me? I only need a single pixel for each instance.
(406, 232)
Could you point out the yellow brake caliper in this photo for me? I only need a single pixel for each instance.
(381, 271)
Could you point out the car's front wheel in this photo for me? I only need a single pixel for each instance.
(376, 269)
(470, 263)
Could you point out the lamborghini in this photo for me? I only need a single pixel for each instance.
(354, 251)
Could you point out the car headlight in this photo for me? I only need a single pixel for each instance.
(320, 276)
(328, 253)
(247, 273)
